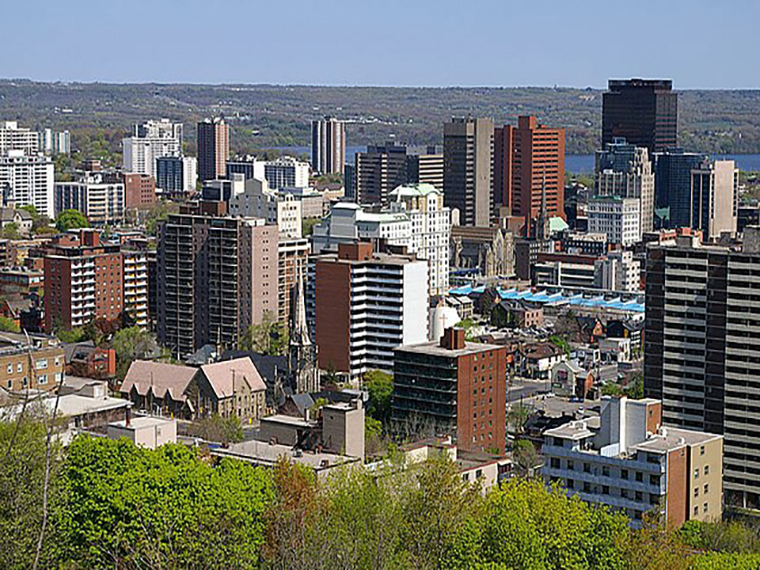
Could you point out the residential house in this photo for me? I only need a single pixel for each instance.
(538, 358)
(570, 379)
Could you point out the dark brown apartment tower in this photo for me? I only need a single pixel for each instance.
(642, 111)
(213, 149)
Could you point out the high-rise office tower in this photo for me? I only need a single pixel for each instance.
(216, 277)
(672, 184)
(531, 164)
(425, 167)
(378, 171)
(624, 170)
(213, 148)
(467, 169)
(642, 111)
(328, 145)
(28, 180)
(701, 354)
(149, 142)
(715, 198)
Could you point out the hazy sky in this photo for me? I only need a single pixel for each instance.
(697, 43)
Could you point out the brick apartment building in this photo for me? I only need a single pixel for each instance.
(83, 281)
(139, 190)
(454, 387)
(35, 366)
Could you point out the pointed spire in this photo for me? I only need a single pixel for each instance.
(543, 227)
(299, 328)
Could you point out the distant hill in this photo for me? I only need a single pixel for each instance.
(264, 116)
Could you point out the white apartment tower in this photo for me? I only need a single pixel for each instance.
(27, 179)
(13, 137)
(149, 142)
(618, 218)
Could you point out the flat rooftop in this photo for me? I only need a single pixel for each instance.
(139, 422)
(287, 420)
(577, 429)
(436, 349)
(265, 453)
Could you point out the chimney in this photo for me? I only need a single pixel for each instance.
(89, 238)
(128, 416)
(453, 339)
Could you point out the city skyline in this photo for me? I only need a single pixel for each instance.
(406, 51)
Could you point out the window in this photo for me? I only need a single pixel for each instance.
(654, 480)
(624, 493)
(624, 473)
(42, 364)
(696, 510)
(586, 468)
(605, 490)
(570, 464)
(9, 384)
(555, 463)
(10, 368)
(707, 488)
(42, 379)
(707, 469)
(20, 367)
(702, 450)
(605, 471)
(704, 508)
(570, 484)
(696, 492)
(696, 473)
(639, 476)
(639, 496)
(586, 488)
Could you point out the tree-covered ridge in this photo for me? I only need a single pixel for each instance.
(99, 115)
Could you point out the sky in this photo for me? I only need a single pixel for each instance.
(579, 43)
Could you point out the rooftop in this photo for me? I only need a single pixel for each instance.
(264, 453)
(140, 422)
(436, 349)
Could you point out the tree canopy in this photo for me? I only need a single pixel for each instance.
(71, 219)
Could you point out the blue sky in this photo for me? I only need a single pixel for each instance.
(697, 43)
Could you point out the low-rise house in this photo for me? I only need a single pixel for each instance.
(516, 314)
(21, 218)
(627, 329)
(538, 358)
(90, 361)
(628, 461)
(615, 349)
(160, 388)
(570, 379)
(146, 431)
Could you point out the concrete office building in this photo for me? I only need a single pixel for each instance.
(467, 169)
(83, 281)
(570, 272)
(286, 172)
(366, 304)
(701, 353)
(13, 137)
(216, 277)
(529, 161)
(28, 180)
(213, 148)
(625, 170)
(452, 387)
(627, 461)
(642, 111)
(618, 271)
(715, 198)
(328, 145)
(101, 200)
(378, 171)
(176, 176)
(135, 284)
(672, 183)
(349, 223)
(149, 142)
(258, 201)
(425, 166)
(617, 218)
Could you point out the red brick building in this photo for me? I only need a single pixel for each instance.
(83, 281)
(525, 158)
(453, 387)
(139, 190)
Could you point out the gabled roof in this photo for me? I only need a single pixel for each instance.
(224, 375)
(144, 375)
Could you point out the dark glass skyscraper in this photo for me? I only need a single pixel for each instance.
(643, 111)
(672, 183)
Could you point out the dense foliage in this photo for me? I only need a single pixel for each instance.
(120, 506)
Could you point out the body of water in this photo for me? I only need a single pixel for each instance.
(574, 163)
(584, 163)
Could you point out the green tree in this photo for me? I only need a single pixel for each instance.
(380, 387)
(70, 336)
(10, 231)
(158, 213)
(125, 506)
(517, 415)
(268, 337)
(131, 344)
(9, 325)
(71, 219)
(224, 430)
(307, 226)
(525, 456)
(561, 343)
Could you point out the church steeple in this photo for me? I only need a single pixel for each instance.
(543, 223)
(302, 361)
